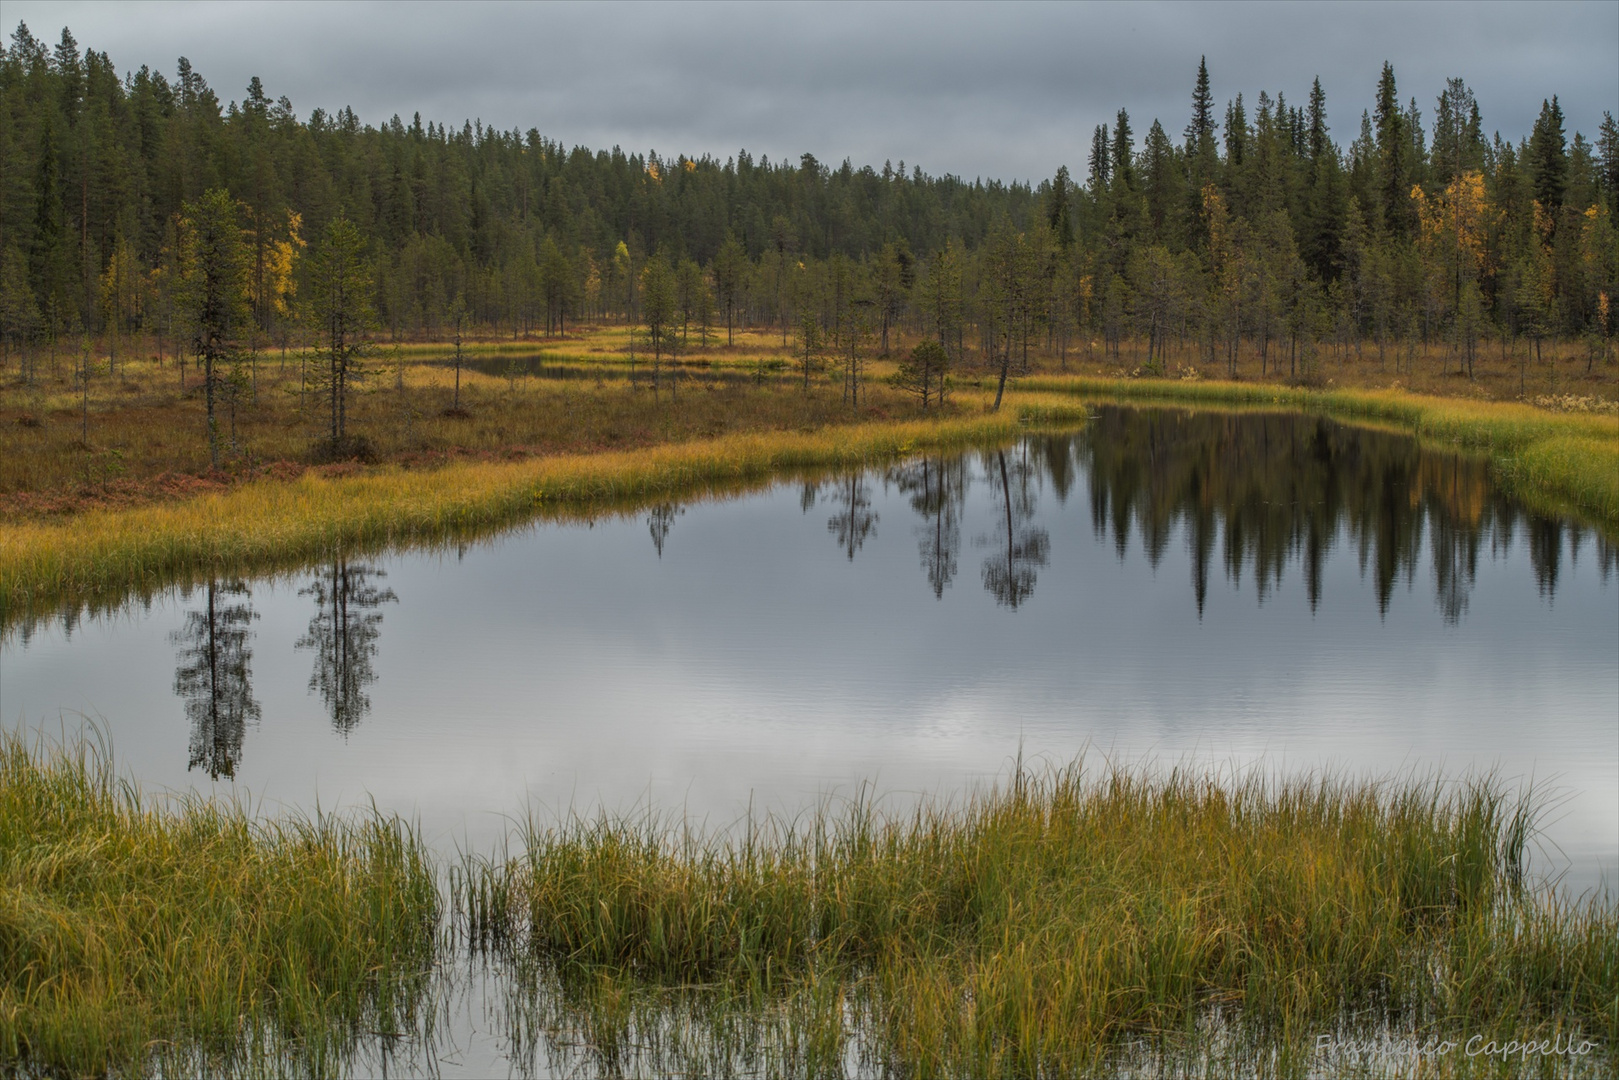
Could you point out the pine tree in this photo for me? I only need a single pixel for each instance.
(1458, 142)
(1058, 208)
(1159, 182)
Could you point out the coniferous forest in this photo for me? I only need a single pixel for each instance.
(1262, 228)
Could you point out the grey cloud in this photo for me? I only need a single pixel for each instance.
(1008, 91)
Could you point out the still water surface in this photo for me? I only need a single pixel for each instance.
(1234, 591)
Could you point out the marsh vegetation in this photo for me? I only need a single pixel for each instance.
(1070, 920)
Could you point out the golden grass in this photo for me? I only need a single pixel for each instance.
(274, 523)
(188, 937)
(1060, 924)
(1036, 929)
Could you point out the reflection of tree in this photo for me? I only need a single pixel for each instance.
(1546, 552)
(659, 522)
(938, 490)
(1258, 491)
(1010, 573)
(856, 520)
(343, 635)
(1054, 455)
(214, 679)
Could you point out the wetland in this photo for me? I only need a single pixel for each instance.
(1202, 605)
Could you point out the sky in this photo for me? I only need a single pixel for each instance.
(998, 91)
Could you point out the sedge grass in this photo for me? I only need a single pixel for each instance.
(188, 937)
(1039, 928)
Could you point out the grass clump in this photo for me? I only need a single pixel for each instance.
(1039, 928)
(189, 937)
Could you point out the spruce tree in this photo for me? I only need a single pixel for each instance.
(1200, 132)
(1124, 173)
(1608, 161)
(1393, 156)
(214, 294)
(1101, 170)
(1548, 156)
(1202, 155)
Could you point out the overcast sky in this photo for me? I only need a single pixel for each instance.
(998, 90)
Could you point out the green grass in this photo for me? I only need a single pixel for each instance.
(188, 937)
(1040, 928)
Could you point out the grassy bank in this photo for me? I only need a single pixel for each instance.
(1555, 462)
(188, 936)
(267, 524)
(1038, 929)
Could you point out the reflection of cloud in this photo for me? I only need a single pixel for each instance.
(990, 90)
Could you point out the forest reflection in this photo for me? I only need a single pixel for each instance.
(1270, 489)
(1249, 495)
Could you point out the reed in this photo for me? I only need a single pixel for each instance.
(1038, 928)
(186, 937)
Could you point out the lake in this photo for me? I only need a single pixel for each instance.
(1229, 591)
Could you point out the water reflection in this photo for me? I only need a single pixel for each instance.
(855, 520)
(1020, 548)
(1270, 500)
(938, 491)
(1269, 489)
(343, 635)
(214, 676)
(659, 522)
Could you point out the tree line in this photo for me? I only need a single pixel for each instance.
(1255, 231)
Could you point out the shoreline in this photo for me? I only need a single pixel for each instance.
(1555, 462)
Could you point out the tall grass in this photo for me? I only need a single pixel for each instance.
(1037, 928)
(1065, 922)
(188, 937)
